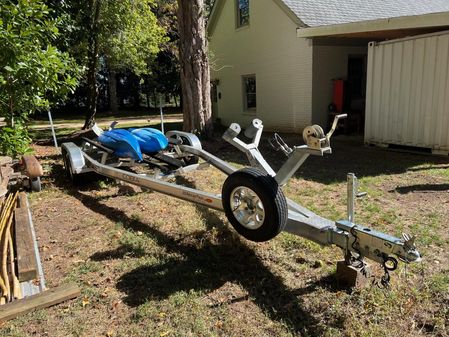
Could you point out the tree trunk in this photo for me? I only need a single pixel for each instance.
(195, 75)
(112, 83)
(92, 88)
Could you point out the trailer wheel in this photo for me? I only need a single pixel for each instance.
(254, 204)
(189, 160)
(77, 179)
(67, 164)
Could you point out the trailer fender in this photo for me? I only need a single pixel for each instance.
(186, 138)
(75, 155)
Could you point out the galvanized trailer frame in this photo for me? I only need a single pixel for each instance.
(356, 241)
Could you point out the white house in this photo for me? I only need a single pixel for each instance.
(276, 59)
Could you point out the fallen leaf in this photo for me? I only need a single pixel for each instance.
(115, 304)
(163, 334)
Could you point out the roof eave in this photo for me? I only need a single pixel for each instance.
(218, 6)
(213, 18)
(404, 22)
(290, 14)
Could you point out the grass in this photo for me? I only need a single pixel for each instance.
(150, 265)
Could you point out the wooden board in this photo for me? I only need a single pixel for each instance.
(45, 299)
(26, 255)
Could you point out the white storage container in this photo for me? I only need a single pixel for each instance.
(408, 92)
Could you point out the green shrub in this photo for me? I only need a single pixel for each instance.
(14, 141)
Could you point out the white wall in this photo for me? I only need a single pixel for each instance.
(408, 92)
(281, 62)
(329, 62)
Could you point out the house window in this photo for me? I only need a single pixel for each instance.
(242, 13)
(249, 93)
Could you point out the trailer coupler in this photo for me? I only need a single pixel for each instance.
(377, 246)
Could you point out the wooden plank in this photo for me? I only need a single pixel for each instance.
(26, 255)
(45, 299)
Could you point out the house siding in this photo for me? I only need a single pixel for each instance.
(269, 49)
(408, 92)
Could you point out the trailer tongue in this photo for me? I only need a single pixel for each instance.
(252, 198)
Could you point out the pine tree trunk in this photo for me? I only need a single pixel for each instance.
(92, 88)
(195, 75)
(112, 84)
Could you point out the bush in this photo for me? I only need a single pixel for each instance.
(14, 141)
(34, 74)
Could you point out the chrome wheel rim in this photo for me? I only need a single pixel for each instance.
(247, 207)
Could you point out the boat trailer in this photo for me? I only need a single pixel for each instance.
(252, 198)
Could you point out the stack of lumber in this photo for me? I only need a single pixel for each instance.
(9, 282)
(2, 121)
(20, 265)
(22, 285)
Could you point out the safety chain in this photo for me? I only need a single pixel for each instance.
(388, 264)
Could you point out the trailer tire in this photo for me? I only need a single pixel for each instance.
(192, 159)
(254, 204)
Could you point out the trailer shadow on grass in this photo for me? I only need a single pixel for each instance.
(349, 155)
(206, 266)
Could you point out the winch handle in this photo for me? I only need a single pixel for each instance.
(334, 125)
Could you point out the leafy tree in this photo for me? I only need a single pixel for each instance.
(34, 74)
(125, 34)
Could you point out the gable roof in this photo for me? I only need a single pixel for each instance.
(317, 13)
(330, 12)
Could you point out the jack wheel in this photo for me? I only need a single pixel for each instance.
(35, 184)
(254, 204)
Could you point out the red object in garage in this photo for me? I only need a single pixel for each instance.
(339, 87)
